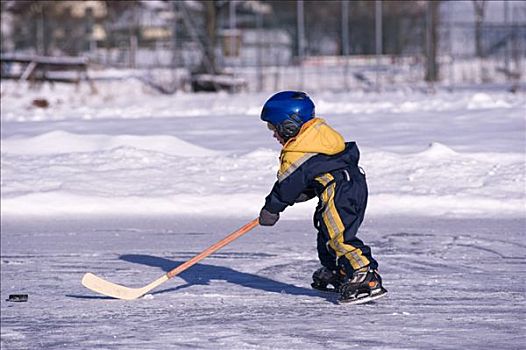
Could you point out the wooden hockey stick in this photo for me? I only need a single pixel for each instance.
(114, 290)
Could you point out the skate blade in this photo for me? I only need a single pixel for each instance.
(364, 299)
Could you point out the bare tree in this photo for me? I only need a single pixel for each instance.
(432, 20)
(211, 30)
(480, 12)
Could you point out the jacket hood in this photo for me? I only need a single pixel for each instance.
(316, 136)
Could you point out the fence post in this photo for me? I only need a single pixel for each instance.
(431, 41)
(379, 35)
(301, 38)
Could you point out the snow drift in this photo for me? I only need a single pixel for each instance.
(62, 173)
(129, 151)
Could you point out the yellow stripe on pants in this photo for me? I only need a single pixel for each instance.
(335, 226)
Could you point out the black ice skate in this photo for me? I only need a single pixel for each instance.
(363, 287)
(327, 280)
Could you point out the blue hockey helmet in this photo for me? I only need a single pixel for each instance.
(287, 111)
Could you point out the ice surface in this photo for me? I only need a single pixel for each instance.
(453, 283)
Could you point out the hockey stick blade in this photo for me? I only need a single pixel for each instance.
(114, 290)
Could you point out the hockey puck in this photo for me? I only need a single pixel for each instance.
(17, 297)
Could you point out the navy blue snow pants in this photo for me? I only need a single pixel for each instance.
(340, 212)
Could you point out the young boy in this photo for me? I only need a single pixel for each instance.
(316, 161)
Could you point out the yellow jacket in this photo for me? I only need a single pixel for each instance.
(315, 137)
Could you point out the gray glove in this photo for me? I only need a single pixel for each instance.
(302, 198)
(266, 218)
(306, 195)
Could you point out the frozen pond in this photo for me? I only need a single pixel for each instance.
(453, 283)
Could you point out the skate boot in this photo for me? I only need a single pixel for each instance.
(327, 280)
(364, 286)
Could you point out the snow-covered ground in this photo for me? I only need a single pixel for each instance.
(129, 151)
(127, 184)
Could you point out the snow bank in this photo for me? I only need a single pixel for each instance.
(128, 150)
(127, 99)
(440, 181)
(62, 173)
(131, 99)
(60, 142)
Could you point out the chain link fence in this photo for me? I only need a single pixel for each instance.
(264, 52)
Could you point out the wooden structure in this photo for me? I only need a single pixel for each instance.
(45, 68)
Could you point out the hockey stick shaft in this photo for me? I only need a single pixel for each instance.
(213, 248)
